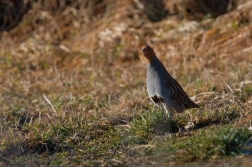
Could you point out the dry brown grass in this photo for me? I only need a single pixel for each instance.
(70, 82)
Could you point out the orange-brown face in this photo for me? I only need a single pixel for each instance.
(148, 53)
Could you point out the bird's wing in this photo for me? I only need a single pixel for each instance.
(178, 95)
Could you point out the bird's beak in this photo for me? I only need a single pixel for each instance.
(144, 51)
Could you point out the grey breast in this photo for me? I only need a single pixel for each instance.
(157, 77)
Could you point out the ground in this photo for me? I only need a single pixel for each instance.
(73, 88)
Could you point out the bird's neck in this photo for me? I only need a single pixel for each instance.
(151, 59)
(156, 63)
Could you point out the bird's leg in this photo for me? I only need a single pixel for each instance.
(168, 110)
(153, 107)
(153, 103)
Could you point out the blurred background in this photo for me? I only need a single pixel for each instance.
(195, 39)
(91, 26)
(69, 65)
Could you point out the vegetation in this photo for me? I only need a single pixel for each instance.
(73, 88)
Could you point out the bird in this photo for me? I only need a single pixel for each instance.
(162, 88)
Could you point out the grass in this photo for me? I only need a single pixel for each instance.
(62, 105)
(98, 141)
(211, 143)
(107, 140)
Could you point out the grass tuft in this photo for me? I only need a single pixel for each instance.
(73, 89)
(210, 143)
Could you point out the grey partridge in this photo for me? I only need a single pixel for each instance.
(162, 88)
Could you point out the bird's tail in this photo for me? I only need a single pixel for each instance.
(191, 104)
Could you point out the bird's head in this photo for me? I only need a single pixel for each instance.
(148, 53)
